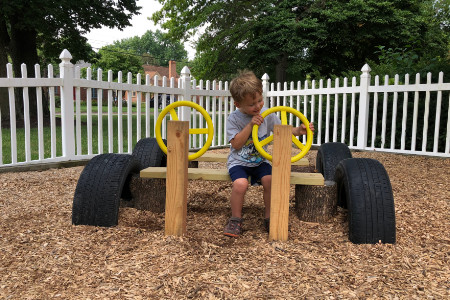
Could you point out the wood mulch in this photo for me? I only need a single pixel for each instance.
(43, 256)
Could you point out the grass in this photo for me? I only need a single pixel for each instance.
(83, 108)
(34, 144)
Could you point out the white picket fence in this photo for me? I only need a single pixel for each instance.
(351, 114)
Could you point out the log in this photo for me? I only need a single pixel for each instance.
(316, 203)
(148, 194)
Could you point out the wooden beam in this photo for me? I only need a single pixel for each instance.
(222, 175)
(281, 171)
(177, 179)
(222, 157)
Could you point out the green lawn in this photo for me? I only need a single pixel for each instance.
(6, 137)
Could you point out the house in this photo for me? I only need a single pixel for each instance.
(152, 70)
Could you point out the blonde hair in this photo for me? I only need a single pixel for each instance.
(246, 83)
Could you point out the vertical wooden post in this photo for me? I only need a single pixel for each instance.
(281, 174)
(177, 177)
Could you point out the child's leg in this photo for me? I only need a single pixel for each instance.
(238, 191)
(266, 182)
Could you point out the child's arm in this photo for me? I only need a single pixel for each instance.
(301, 130)
(241, 138)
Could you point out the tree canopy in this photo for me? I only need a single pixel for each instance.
(154, 47)
(116, 59)
(47, 26)
(291, 38)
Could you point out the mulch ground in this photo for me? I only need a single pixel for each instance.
(44, 256)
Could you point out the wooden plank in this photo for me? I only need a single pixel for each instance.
(222, 175)
(177, 182)
(222, 157)
(281, 171)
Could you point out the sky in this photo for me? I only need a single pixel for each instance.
(139, 25)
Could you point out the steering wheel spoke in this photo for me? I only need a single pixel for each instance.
(284, 117)
(284, 120)
(267, 140)
(198, 130)
(297, 142)
(173, 114)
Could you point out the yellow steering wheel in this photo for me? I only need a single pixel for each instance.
(171, 108)
(283, 109)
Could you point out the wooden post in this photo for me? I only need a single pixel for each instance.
(177, 177)
(281, 173)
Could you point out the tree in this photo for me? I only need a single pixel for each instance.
(27, 26)
(115, 59)
(289, 38)
(154, 47)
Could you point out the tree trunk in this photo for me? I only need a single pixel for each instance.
(148, 194)
(316, 203)
(281, 68)
(4, 40)
(26, 39)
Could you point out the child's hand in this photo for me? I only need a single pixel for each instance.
(301, 130)
(257, 120)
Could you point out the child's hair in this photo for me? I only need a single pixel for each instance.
(246, 83)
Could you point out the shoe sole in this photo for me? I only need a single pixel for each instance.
(230, 234)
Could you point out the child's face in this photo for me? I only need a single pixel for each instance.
(251, 104)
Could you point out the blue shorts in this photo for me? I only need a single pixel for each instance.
(256, 173)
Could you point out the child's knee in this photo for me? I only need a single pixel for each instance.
(266, 181)
(240, 185)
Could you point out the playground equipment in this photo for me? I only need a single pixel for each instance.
(362, 185)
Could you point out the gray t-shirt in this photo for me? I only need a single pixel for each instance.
(248, 155)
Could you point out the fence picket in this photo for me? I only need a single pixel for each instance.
(394, 113)
(129, 114)
(327, 114)
(415, 115)
(89, 111)
(40, 118)
(119, 116)
(26, 116)
(138, 109)
(438, 114)
(336, 108)
(385, 106)
(52, 109)
(352, 113)
(447, 139)
(404, 114)
(99, 114)
(344, 112)
(426, 115)
(375, 112)
(78, 113)
(110, 115)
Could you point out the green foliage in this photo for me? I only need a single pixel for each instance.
(290, 38)
(55, 26)
(115, 59)
(155, 48)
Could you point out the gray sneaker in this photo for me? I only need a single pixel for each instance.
(234, 227)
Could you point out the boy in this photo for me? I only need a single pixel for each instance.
(244, 160)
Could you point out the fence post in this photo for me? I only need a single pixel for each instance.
(363, 114)
(186, 85)
(67, 116)
(265, 84)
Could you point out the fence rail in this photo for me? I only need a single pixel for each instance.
(410, 118)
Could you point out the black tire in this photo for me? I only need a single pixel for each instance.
(328, 157)
(364, 186)
(99, 189)
(149, 154)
